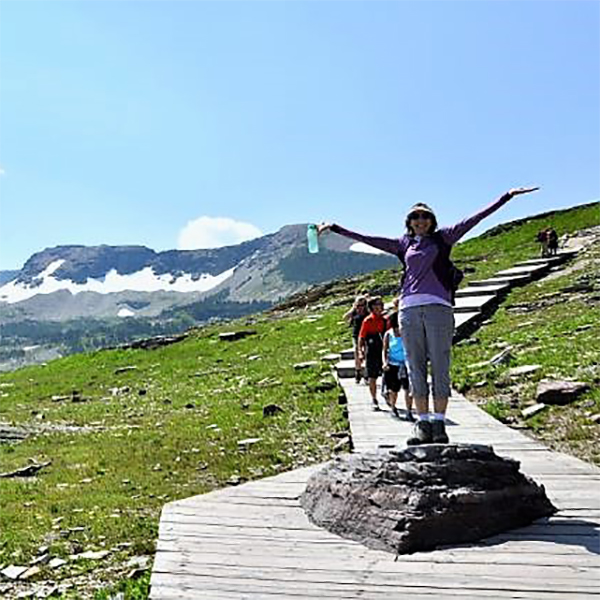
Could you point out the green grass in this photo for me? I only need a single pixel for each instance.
(166, 430)
(169, 428)
(561, 334)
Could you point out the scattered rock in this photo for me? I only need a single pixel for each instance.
(330, 357)
(305, 365)
(559, 392)
(13, 571)
(28, 471)
(524, 370)
(10, 434)
(232, 336)
(153, 343)
(60, 398)
(125, 369)
(31, 572)
(530, 411)
(56, 563)
(245, 444)
(404, 501)
(42, 559)
(502, 357)
(90, 555)
(595, 418)
(343, 444)
(269, 410)
(138, 562)
(324, 385)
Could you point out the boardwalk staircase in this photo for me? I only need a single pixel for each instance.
(475, 302)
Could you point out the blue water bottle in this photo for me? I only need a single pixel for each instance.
(313, 238)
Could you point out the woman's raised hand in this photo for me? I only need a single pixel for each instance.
(523, 190)
(323, 227)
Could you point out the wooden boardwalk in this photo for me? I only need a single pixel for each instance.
(255, 542)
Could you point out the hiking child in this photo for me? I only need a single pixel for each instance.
(395, 371)
(388, 312)
(355, 317)
(426, 315)
(370, 345)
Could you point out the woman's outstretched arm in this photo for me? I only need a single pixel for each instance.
(453, 233)
(390, 245)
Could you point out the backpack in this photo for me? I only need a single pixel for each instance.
(445, 270)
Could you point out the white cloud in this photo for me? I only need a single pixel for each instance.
(214, 232)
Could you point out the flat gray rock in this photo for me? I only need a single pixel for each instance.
(424, 497)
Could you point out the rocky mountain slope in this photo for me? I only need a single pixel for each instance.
(70, 282)
(70, 298)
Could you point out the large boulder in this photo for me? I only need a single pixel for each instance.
(550, 391)
(403, 501)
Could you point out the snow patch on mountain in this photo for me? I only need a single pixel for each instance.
(365, 248)
(145, 280)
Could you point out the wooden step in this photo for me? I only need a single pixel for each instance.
(482, 290)
(532, 270)
(347, 354)
(464, 319)
(345, 369)
(467, 304)
(512, 281)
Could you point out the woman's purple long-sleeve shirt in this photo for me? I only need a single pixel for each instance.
(419, 253)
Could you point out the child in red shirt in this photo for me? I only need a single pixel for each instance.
(370, 345)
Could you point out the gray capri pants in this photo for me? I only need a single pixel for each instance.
(427, 333)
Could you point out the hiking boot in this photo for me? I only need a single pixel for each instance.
(395, 412)
(438, 433)
(421, 434)
(409, 416)
(375, 404)
(357, 377)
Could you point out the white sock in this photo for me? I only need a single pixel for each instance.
(438, 417)
(423, 417)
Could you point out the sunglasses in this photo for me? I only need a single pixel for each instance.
(419, 215)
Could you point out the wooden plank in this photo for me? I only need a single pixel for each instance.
(393, 570)
(354, 549)
(289, 579)
(303, 552)
(192, 589)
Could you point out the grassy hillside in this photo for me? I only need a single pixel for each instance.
(126, 431)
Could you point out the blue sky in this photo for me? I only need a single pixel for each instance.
(144, 122)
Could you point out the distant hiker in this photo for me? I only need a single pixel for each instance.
(395, 371)
(426, 315)
(552, 238)
(542, 239)
(355, 317)
(370, 345)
